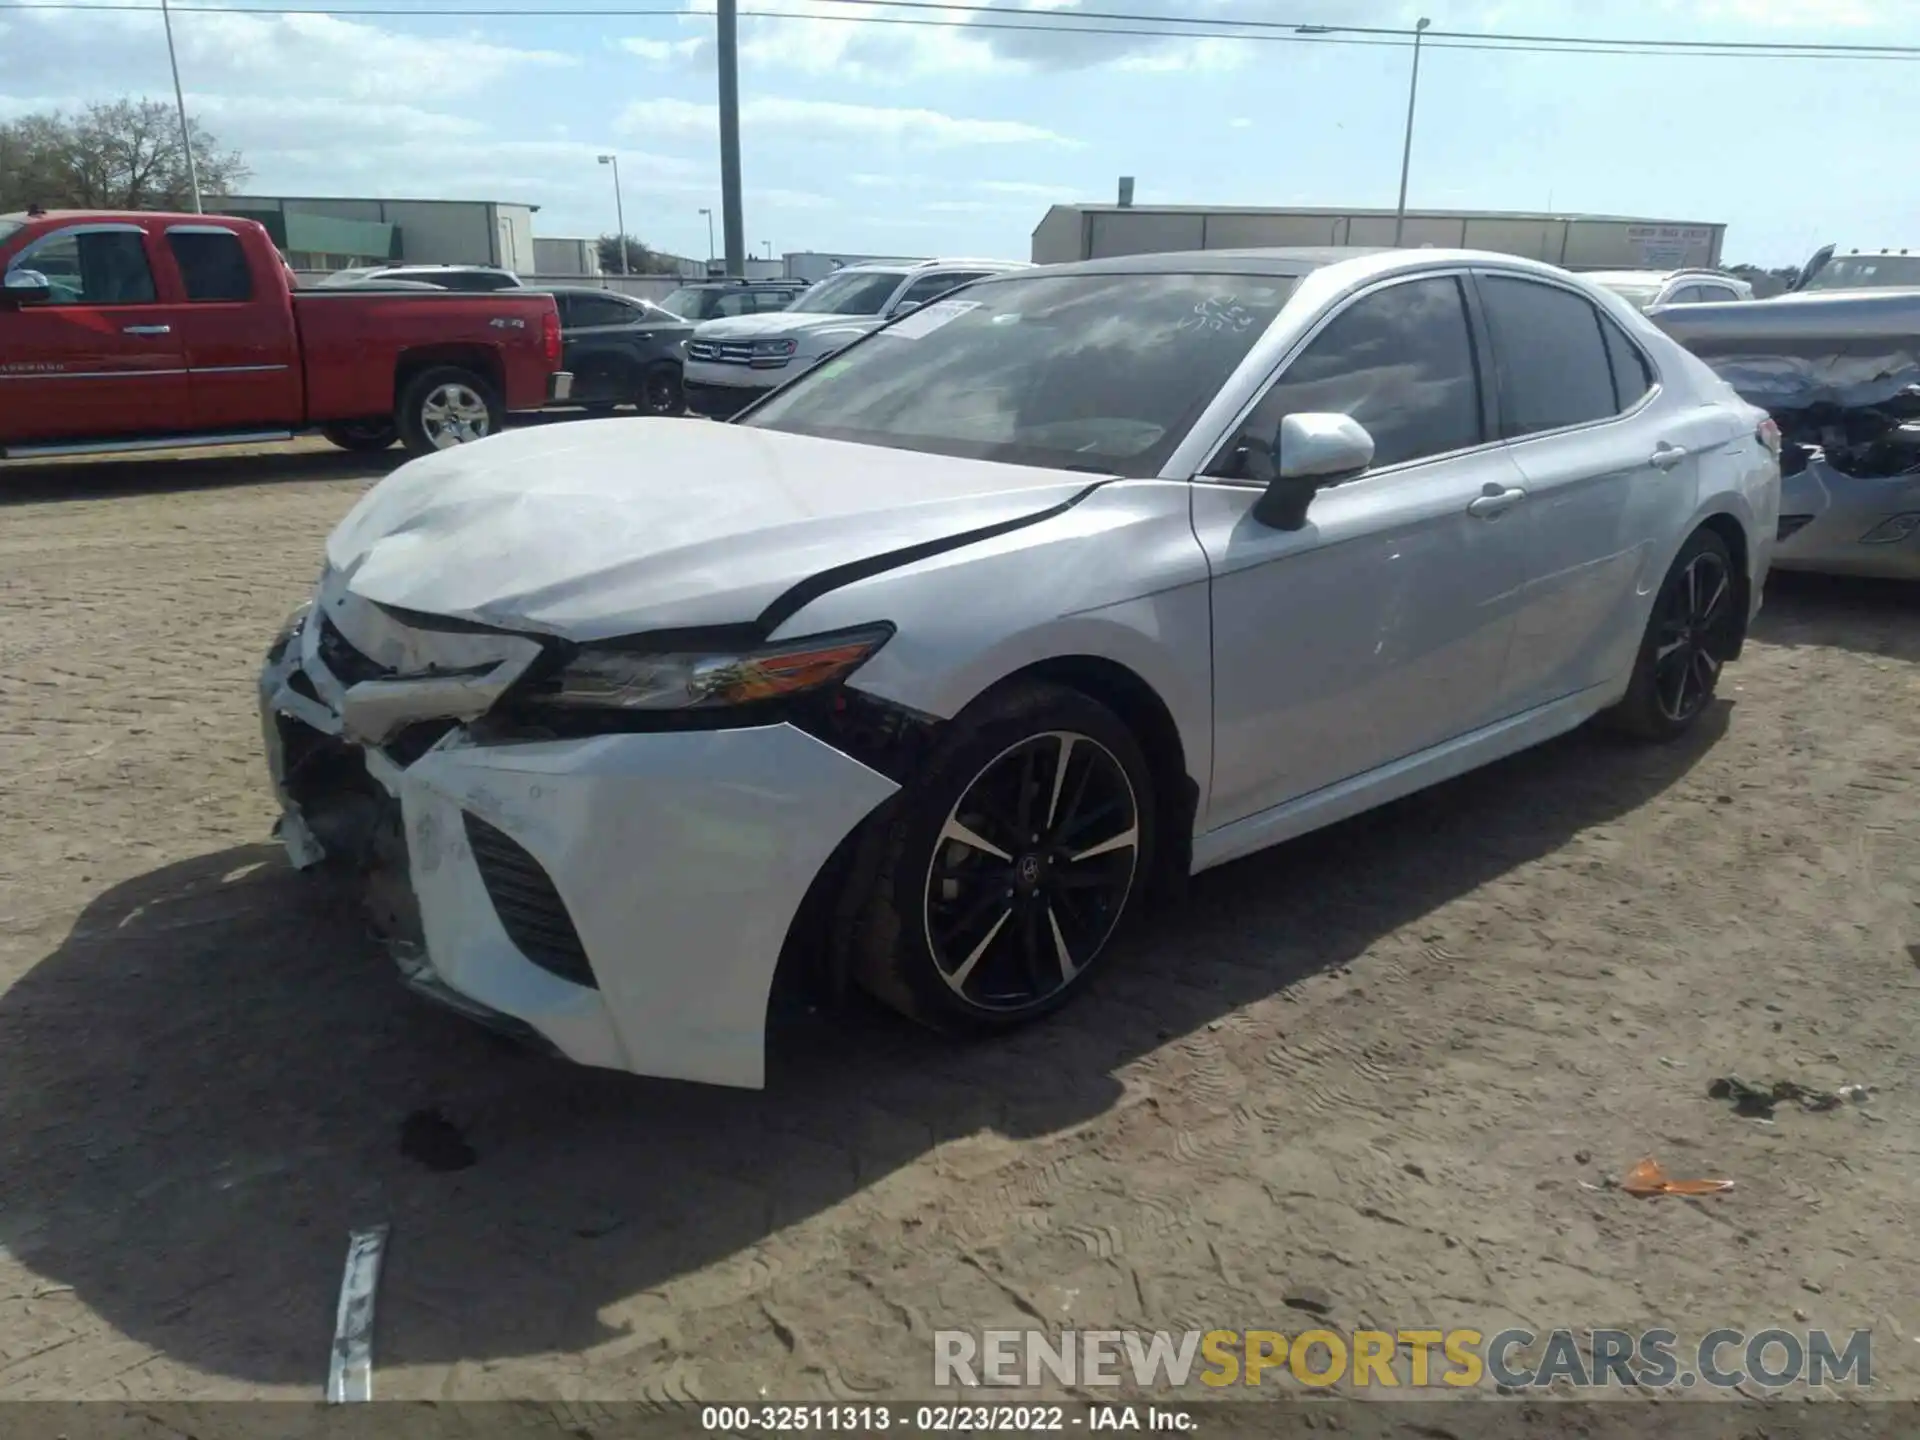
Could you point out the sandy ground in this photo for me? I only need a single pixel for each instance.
(1388, 1064)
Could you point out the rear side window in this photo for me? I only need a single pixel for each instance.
(213, 265)
(591, 310)
(1400, 361)
(1631, 376)
(1549, 356)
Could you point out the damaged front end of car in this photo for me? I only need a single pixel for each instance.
(1840, 374)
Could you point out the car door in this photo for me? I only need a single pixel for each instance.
(236, 334)
(599, 347)
(1381, 628)
(102, 357)
(1606, 462)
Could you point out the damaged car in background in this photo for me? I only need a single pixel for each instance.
(1839, 371)
(1039, 599)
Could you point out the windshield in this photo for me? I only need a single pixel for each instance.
(1104, 373)
(851, 292)
(1866, 272)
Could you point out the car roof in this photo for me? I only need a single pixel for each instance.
(721, 281)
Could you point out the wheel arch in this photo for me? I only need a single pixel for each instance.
(1733, 533)
(477, 358)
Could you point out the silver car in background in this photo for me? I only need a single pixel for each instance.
(927, 670)
(1839, 370)
(1645, 289)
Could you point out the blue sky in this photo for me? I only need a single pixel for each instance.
(910, 140)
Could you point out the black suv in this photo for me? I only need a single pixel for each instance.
(620, 350)
(710, 299)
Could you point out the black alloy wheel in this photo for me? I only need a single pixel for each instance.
(1032, 871)
(1690, 629)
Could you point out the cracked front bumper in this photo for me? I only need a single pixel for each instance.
(625, 898)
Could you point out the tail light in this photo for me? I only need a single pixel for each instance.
(550, 337)
(1769, 434)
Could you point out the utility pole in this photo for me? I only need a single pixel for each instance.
(1406, 152)
(180, 100)
(732, 224)
(619, 210)
(709, 214)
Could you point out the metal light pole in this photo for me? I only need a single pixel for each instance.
(619, 210)
(709, 215)
(769, 245)
(180, 100)
(733, 226)
(1406, 152)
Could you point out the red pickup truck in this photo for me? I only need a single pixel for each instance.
(135, 331)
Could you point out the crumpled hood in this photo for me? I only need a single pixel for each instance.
(779, 322)
(601, 528)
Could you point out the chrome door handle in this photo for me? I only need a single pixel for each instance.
(1495, 503)
(1666, 456)
(146, 330)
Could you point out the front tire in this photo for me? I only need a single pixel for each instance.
(1008, 867)
(1693, 630)
(447, 406)
(659, 391)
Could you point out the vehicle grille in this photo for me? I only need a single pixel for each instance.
(347, 664)
(733, 352)
(530, 909)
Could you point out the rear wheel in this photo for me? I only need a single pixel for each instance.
(1008, 867)
(660, 392)
(362, 435)
(1694, 628)
(445, 407)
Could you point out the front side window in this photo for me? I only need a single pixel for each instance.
(851, 292)
(92, 267)
(1549, 355)
(1102, 373)
(1398, 360)
(213, 266)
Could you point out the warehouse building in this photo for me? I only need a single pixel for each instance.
(1576, 242)
(324, 234)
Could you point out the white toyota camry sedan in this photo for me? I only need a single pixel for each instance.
(934, 662)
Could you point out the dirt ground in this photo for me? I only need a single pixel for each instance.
(1393, 1063)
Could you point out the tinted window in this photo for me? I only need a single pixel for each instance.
(1717, 293)
(589, 310)
(214, 267)
(1548, 354)
(1103, 373)
(932, 287)
(851, 292)
(1631, 377)
(98, 268)
(1400, 361)
(1690, 295)
(772, 299)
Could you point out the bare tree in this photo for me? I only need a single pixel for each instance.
(126, 155)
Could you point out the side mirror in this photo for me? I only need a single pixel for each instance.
(25, 287)
(905, 307)
(1312, 451)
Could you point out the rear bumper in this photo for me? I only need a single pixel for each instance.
(559, 387)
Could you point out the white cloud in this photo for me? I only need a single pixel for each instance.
(775, 117)
(1241, 123)
(663, 53)
(817, 37)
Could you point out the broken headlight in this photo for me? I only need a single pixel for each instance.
(609, 679)
(289, 631)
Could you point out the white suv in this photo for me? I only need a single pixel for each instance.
(1644, 289)
(733, 361)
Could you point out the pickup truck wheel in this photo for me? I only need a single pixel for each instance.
(660, 392)
(445, 407)
(366, 435)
